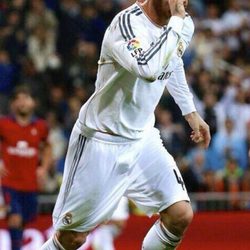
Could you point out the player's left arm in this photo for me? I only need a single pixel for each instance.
(46, 156)
(46, 159)
(177, 83)
(3, 170)
(179, 90)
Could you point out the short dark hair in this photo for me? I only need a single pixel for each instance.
(21, 89)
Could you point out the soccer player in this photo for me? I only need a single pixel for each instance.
(25, 160)
(114, 149)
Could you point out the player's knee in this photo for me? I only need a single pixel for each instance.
(15, 221)
(71, 240)
(183, 220)
(178, 217)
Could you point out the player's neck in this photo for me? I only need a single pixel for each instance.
(23, 120)
(156, 16)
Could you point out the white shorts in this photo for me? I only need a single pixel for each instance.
(99, 170)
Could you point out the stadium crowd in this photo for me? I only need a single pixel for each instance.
(53, 47)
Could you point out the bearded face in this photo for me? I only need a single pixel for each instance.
(23, 105)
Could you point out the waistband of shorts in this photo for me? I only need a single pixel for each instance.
(90, 133)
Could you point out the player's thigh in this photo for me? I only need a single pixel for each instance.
(12, 200)
(94, 182)
(159, 183)
(29, 206)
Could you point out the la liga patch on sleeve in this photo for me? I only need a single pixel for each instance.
(134, 47)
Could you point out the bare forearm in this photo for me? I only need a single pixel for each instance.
(46, 157)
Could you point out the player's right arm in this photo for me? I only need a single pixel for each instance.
(3, 171)
(134, 51)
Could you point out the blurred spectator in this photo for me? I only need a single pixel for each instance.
(7, 76)
(233, 105)
(125, 3)
(245, 184)
(73, 110)
(172, 134)
(57, 101)
(42, 49)
(197, 158)
(91, 23)
(212, 19)
(40, 14)
(235, 16)
(230, 178)
(81, 92)
(58, 144)
(209, 112)
(13, 35)
(210, 182)
(56, 137)
(248, 144)
(228, 144)
(83, 66)
(68, 28)
(107, 9)
(190, 178)
(231, 175)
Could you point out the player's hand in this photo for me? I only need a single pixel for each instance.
(201, 132)
(177, 7)
(42, 175)
(3, 170)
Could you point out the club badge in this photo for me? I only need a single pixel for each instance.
(67, 219)
(180, 49)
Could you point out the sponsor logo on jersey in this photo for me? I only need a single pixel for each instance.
(165, 75)
(67, 219)
(33, 131)
(22, 149)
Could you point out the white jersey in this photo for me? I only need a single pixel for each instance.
(138, 60)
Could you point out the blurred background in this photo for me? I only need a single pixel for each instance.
(53, 47)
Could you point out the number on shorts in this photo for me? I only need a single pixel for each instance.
(179, 179)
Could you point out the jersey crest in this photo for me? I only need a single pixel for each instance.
(180, 49)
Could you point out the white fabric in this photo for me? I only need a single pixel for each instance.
(177, 87)
(104, 168)
(159, 238)
(49, 245)
(103, 238)
(136, 61)
(122, 210)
